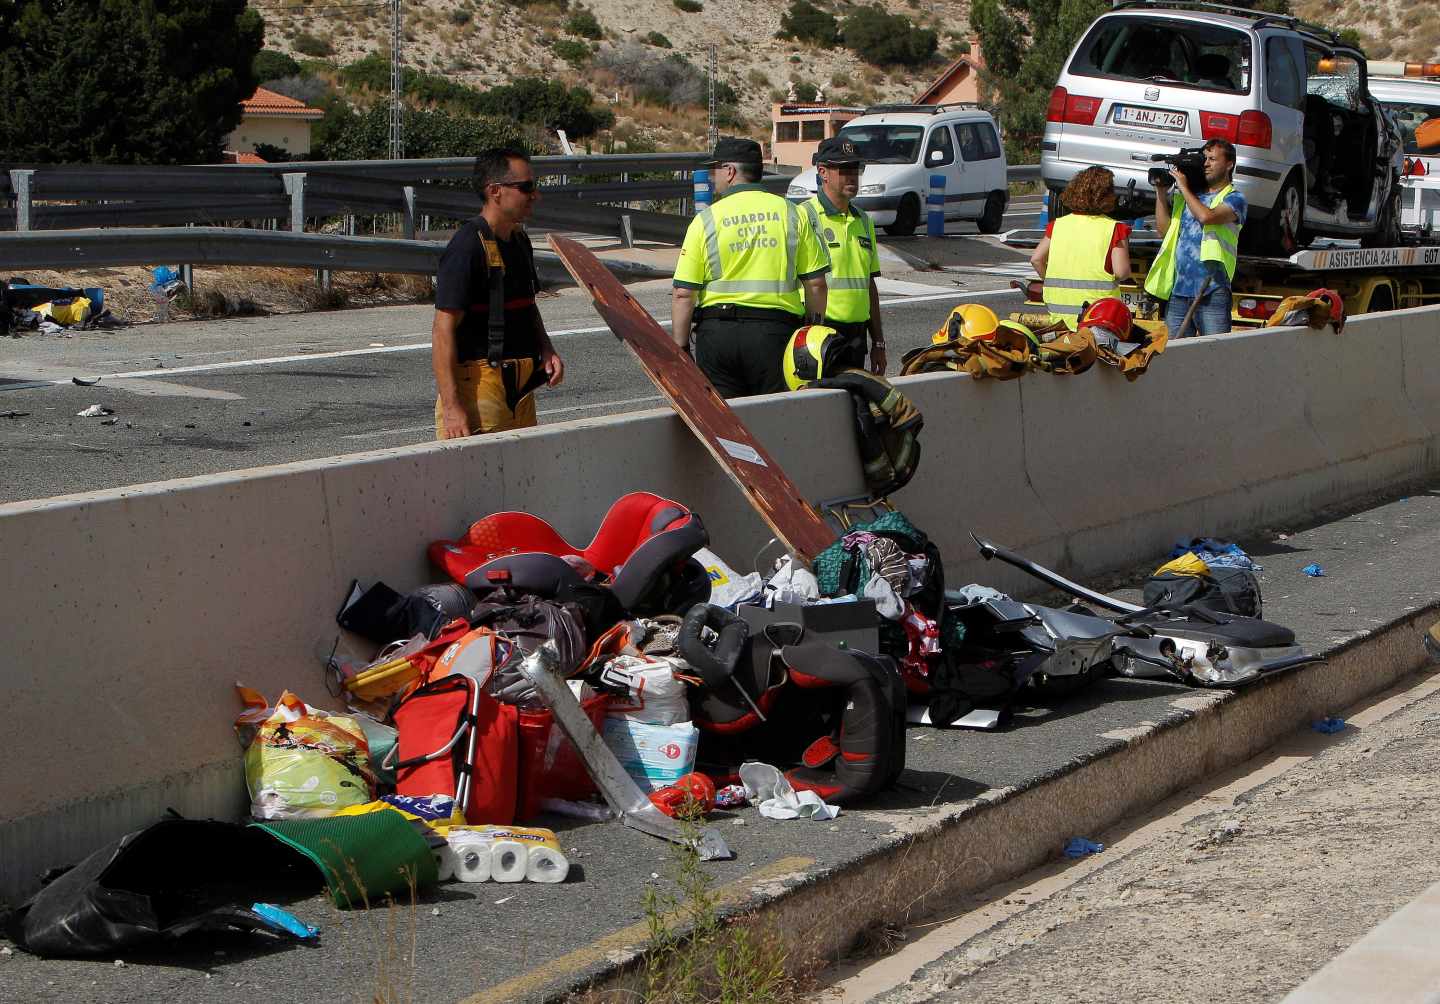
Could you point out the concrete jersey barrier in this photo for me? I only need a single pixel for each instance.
(130, 613)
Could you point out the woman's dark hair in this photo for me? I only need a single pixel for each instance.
(493, 164)
(1091, 192)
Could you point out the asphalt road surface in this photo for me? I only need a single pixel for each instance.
(207, 397)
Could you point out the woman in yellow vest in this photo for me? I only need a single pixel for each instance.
(1084, 255)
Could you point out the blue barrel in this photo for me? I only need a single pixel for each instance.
(703, 193)
(935, 207)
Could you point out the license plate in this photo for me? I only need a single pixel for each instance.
(1150, 118)
(1133, 300)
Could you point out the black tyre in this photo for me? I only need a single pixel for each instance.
(994, 214)
(1387, 228)
(1282, 231)
(1381, 299)
(907, 217)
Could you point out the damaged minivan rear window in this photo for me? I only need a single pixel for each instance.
(1166, 51)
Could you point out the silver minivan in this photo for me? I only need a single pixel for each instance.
(1315, 155)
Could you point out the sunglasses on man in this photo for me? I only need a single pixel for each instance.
(528, 186)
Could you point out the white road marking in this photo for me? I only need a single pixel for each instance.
(895, 287)
(171, 371)
(541, 411)
(599, 404)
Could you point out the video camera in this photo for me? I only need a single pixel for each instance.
(1190, 161)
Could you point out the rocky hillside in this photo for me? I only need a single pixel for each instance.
(486, 42)
(1392, 29)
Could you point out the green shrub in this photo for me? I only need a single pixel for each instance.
(690, 6)
(272, 154)
(879, 37)
(428, 133)
(313, 45)
(460, 17)
(658, 40)
(573, 51)
(271, 65)
(584, 23)
(548, 103)
(805, 90)
(805, 22)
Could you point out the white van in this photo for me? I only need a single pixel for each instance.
(903, 145)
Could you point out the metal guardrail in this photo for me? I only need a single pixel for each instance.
(95, 181)
(166, 197)
(235, 246)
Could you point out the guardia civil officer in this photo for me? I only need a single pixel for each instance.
(739, 281)
(852, 303)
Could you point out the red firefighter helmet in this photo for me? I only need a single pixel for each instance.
(1337, 306)
(1112, 314)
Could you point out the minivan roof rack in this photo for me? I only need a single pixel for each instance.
(919, 109)
(1262, 18)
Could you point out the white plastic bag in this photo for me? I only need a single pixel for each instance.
(656, 697)
(792, 583)
(728, 588)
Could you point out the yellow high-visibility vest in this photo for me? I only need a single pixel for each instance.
(1075, 272)
(854, 258)
(1218, 242)
(751, 249)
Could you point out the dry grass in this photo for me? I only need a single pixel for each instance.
(1390, 29)
(231, 291)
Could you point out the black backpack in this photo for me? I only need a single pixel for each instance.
(1229, 590)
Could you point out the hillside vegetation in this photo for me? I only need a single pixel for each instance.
(644, 60)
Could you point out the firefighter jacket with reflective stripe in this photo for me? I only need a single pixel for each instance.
(751, 249)
(854, 257)
(1218, 242)
(1075, 272)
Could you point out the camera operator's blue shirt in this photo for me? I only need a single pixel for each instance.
(1190, 271)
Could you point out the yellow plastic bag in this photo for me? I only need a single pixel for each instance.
(66, 312)
(299, 761)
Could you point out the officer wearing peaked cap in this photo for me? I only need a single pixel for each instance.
(751, 271)
(852, 305)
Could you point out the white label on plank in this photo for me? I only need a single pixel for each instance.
(741, 451)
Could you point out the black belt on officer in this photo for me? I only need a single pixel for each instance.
(733, 312)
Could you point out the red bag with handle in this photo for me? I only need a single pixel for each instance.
(455, 739)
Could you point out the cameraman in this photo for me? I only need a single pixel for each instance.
(1197, 256)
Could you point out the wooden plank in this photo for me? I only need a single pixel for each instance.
(795, 522)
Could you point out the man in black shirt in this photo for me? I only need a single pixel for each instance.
(486, 370)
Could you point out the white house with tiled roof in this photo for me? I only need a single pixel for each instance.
(273, 119)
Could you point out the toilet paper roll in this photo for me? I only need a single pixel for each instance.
(445, 862)
(546, 865)
(472, 860)
(508, 861)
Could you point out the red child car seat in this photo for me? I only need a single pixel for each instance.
(642, 537)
